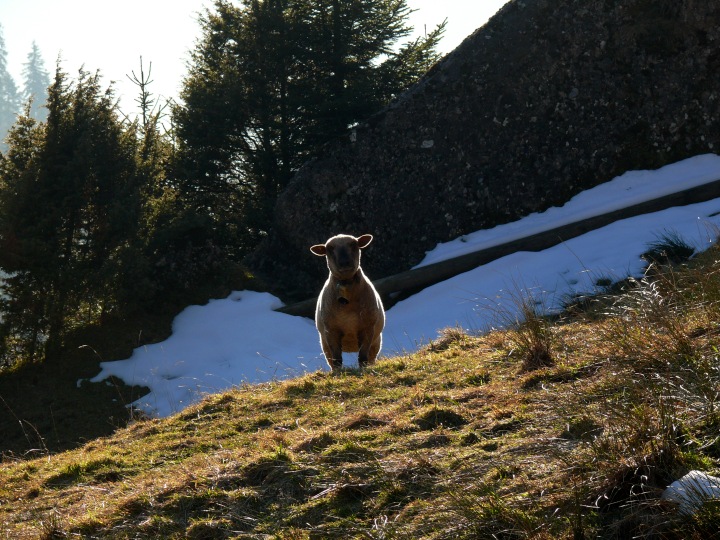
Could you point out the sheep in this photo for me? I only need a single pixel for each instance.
(349, 315)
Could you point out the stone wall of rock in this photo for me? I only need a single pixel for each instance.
(550, 97)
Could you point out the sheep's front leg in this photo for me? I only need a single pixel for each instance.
(369, 349)
(365, 351)
(363, 358)
(375, 348)
(332, 347)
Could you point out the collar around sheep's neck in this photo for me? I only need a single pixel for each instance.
(348, 282)
(342, 288)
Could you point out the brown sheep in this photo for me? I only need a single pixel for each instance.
(349, 315)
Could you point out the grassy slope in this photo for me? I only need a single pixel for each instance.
(472, 437)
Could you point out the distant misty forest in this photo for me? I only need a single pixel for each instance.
(31, 92)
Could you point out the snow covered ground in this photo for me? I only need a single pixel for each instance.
(240, 339)
(692, 491)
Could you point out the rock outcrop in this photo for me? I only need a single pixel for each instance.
(550, 97)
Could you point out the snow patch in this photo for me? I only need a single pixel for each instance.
(241, 339)
(692, 491)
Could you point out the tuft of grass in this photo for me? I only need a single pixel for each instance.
(668, 248)
(648, 322)
(485, 512)
(533, 335)
(449, 337)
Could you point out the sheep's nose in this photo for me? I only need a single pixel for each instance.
(344, 260)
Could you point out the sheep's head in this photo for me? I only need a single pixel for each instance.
(343, 254)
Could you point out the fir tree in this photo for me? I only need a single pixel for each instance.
(37, 80)
(91, 226)
(271, 81)
(22, 302)
(68, 206)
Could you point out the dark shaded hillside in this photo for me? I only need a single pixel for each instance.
(549, 98)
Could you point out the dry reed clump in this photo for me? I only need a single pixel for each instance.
(664, 318)
(535, 337)
(661, 399)
(648, 324)
(530, 333)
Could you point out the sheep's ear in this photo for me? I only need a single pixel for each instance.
(364, 240)
(319, 250)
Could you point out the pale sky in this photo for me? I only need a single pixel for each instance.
(111, 36)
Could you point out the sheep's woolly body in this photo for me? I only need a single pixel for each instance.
(349, 314)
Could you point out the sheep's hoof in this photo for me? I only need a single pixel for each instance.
(364, 364)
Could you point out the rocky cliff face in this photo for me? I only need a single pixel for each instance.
(550, 97)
